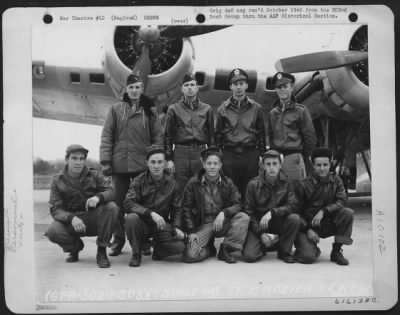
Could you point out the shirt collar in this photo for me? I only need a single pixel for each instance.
(281, 177)
(204, 181)
(84, 173)
(316, 179)
(191, 105)
(235, 103)
(152, 181)
(288, 105)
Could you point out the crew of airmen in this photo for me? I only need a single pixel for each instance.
(175, 194)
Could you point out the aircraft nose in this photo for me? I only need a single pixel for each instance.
(149, 34)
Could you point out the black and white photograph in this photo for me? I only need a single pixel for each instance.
(204, 167)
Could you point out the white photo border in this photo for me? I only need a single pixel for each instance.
(18, 174)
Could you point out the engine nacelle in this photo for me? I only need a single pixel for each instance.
(346, 90)
(163, 84)
(347, 87)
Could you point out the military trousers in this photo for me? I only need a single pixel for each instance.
(286, 228)
(138, 231)
(241, 167)
(100, 221)
(339, 225)
(234, 230)
(187, 162)
(121, 183)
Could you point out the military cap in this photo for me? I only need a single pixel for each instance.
(76, 148)
(271, 153)
(187, 78)
(321, 152)
(281, 78)
(237, 74)
(154, 149)
(211, 151)
(133, 78)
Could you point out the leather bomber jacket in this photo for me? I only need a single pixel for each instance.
(66, 198)
(188, 124)
(291, 129)
(240, 126)
(263, 197)
(146, 195)
(192, 201)
(314, 194)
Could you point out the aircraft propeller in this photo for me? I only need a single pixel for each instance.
(320, 61)
(189, 31)
(148, 38)
(154, 47)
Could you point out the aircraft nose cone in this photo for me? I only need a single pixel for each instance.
(149, 34)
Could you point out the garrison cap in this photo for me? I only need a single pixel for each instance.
(133, 78)
(237, 74)
(321, 152)
(213, 150)
(154, 149)
(281, 78)
(76, 148)
(187, 78)
(271, 153)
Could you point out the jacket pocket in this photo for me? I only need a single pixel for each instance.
(199, 119)
(293, 136)
(290, 121)
(230, 122)
(249, 129)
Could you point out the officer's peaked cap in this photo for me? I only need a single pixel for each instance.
(237, 74)
(281, 78)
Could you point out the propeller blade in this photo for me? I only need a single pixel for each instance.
(320, 61)
(143, 65)
(188, 31)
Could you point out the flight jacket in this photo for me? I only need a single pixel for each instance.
(242, 125)
(291, 130)
(66, 199)
(263, 197)
(193, 200)
(188, 122)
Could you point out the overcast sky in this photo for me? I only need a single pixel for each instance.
(250, 47)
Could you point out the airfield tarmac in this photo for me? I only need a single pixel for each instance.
(172, 280)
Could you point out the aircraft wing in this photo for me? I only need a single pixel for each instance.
(332, 86)
(160, 55)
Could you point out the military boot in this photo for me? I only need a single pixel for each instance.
(135, 260)
(286, 257)
(337, 256)
(73, 256)
(101, 257)
(211, 248)
(116, 249)
(146, 248)
(225, 255)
